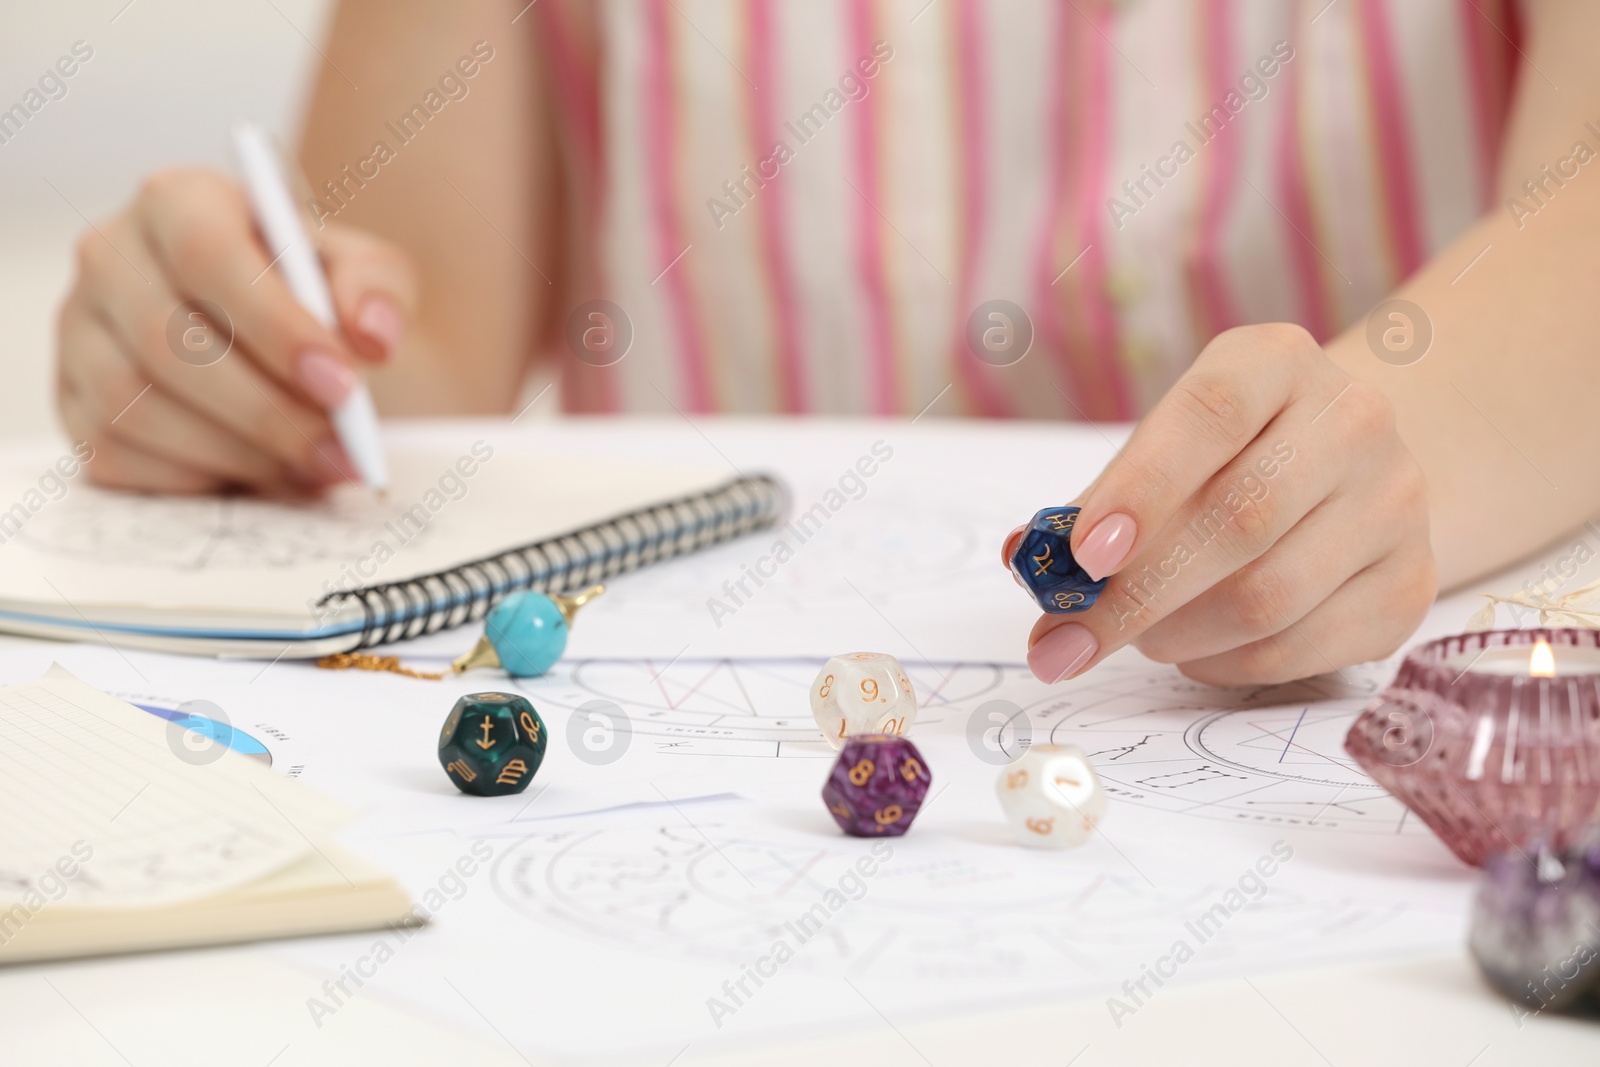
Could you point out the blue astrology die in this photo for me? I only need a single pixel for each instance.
(1043, 563)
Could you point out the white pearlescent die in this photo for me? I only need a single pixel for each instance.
(862, 693)
(1052, 797)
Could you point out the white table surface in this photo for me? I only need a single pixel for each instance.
(243, 1005)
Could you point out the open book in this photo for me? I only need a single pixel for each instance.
(249, 577)
(125, 831)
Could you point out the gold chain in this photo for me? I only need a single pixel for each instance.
(365, 661)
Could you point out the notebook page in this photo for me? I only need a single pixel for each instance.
(132, 807)
(114, 556)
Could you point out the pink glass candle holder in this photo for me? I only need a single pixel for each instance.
(1492, 739)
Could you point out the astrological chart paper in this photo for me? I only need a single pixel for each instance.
(624, 906)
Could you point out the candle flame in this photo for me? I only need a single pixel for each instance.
(1541, 661)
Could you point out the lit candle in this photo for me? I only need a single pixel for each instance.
(1537, 661)
(1492, 738)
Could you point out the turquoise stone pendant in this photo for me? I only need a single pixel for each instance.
(526, 632)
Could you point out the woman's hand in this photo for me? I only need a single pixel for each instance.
(1264, 523)
(142, 373)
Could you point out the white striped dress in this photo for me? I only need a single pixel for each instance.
(799, 203)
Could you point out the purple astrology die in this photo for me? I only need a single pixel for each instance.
(876, 786)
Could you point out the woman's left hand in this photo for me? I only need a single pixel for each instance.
(1264, 523)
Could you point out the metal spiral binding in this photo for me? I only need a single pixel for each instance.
(429, 603)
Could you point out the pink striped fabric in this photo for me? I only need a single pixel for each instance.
(1220, 61)
(972, 169)
(878, 346)
(776, 257)
(800, 206)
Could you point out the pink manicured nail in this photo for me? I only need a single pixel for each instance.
(328, 464)
(1005, 546)
(1062, 652)
(325, 378)
(380, 320)
(1106, 546)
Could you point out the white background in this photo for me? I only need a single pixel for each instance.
(166, 78)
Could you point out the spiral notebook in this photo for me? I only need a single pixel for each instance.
(247, 577)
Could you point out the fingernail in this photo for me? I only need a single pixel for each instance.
(1062, 652)
(327, 464)
(1008, 545)
(1106, 546)
(325, 378)
(381, 320)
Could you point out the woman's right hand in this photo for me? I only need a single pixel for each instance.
(152, 384)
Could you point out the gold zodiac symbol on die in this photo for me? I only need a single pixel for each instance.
(513, 773)
(1059, 522)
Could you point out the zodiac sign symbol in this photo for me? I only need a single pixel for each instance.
(531, 726)
(1059, 523)
(513, 773)
(460, 767)
(1066, 600)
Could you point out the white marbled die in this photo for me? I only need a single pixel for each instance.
(1051, 796)
(862, 693)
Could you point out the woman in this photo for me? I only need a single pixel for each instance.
(814, 207)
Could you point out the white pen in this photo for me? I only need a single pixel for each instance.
(355, 419)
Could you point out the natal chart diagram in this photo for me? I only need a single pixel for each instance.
(202, 534)
(721, 877)
(1267, 755)
(723, 889)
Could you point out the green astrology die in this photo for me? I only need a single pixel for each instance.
(492, 744)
